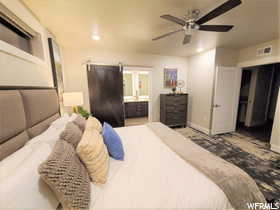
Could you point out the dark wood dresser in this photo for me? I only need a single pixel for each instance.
(136, 109)
(173, 109)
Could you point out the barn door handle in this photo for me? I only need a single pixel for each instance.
(217, 105)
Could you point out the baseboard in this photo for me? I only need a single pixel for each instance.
(275, 148)
(199, 128)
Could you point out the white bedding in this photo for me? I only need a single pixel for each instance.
(152, 176)
(20, 183)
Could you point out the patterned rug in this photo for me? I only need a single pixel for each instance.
(249, 154)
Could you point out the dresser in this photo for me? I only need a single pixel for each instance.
(136, 109)
(173, 109)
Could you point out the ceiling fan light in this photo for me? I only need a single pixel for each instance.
(95, 37)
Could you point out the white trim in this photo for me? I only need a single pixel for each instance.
(199, 128)
(11, 50)
(136, 68)
(260, 61)
(275, 148)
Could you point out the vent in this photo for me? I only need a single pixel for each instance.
(264, 51)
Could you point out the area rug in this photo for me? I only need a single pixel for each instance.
(246, 152)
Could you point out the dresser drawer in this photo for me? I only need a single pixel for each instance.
(176, 100)
(174, 120)
(176, 108)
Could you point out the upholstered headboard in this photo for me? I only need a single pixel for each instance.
(25, 114)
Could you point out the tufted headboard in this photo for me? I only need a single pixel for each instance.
(24, 114)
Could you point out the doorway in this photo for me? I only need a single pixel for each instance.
(136, 85)
(258, 99)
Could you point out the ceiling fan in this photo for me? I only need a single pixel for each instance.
(193, 22)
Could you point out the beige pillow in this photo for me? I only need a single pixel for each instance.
(93, 153)
(71, 134)
(80, 122)
(67, 176)
(92, 122)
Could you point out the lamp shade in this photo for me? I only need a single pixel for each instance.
(73, 99)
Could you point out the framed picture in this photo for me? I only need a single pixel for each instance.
(56, 70)
(170, 77)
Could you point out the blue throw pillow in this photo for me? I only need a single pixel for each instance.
(113, 142)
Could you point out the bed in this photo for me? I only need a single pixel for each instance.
(161, 170)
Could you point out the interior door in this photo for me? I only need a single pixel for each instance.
(226, 97)
(105, 85)
(259, 97)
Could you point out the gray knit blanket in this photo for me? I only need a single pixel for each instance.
(237, 185)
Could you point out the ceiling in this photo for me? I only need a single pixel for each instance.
(130, 25)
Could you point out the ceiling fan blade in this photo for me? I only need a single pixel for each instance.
(174, 19)
(165, 35)
(230, 4)
(187, 39)
(216, 28)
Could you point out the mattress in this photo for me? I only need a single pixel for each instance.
(152, 176)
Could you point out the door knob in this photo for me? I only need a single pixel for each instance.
(217, 106)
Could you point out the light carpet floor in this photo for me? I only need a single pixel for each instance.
(246, 152)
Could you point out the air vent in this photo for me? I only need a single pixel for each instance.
(264, 51)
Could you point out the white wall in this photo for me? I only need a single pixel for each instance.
(275, 137)
(248, 56)
(76, 76)
(18, 68)
(200, 88)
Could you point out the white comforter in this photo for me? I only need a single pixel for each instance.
(152, 176)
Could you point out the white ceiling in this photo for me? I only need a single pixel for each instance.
(130, 25)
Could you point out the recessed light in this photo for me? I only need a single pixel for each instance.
(200, 49)
(95, 37)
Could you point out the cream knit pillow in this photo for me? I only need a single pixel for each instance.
(92, 122)
(93, 153)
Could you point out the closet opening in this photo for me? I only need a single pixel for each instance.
(258, 100)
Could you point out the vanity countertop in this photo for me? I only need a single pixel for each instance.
(138, 100)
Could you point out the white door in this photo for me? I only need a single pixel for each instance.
(226, 98)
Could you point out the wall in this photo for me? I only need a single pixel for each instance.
(17, 67)
(76, 76)
(226, 57)
(200, 88)
(275, 138)
(248, 56)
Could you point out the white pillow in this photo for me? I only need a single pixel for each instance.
(24, 189)
(60, 122)
(73, 117)
(51, 135)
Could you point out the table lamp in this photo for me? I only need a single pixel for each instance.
(73, 99)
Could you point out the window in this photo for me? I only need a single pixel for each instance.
(13, 36)
(15, 32)
(136, 85)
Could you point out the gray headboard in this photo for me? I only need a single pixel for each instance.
(24, 114)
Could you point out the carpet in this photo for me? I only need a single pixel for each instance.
(246, 152)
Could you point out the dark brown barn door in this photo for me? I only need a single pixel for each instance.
(105, 85)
